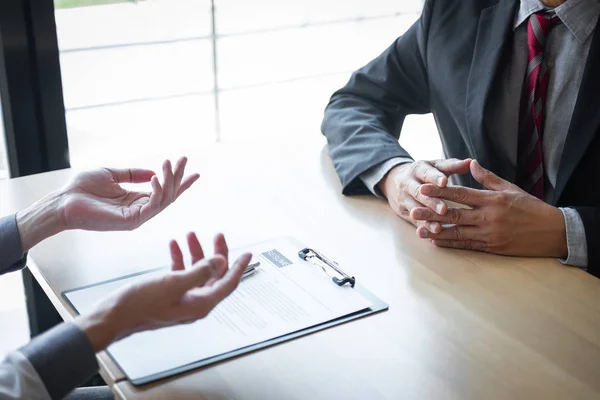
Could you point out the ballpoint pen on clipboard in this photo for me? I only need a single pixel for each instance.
(331, 268)
(250, 270)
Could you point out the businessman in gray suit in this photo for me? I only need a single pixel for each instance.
(514, 88)
(56, 362)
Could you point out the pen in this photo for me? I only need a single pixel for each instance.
(250, 270)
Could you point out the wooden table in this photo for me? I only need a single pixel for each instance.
(460, 325)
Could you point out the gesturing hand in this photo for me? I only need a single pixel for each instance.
(179, 297)
(95, 200)
(503, 219)
(401, 187)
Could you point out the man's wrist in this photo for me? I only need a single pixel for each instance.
(41, 220)
(101, 328)
(383, 183)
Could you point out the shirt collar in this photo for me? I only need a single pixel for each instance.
(579, 16)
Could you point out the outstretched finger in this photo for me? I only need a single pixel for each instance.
(168, 184)
(177, 263)
(186, 184)
(152, 208)
(178, 173)
(195, 248)
(220, 245)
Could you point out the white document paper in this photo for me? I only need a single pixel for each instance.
(285, 295)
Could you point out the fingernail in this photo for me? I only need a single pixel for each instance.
(440, 181)
(431, 226)
(423, 233)
(439, 208)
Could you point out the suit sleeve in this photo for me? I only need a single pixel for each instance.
(50, 366)
(363, 120)
(12, 257)
(590, 216)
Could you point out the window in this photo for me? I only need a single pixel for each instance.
(138, 76)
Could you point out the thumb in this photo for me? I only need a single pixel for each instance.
(131, 175)
(487, 178)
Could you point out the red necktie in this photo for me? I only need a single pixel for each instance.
(530, 168)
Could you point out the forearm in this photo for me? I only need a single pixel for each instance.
(41, 220)
(363, 120)
(359, 137)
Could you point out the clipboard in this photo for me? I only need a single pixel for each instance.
(304, 255)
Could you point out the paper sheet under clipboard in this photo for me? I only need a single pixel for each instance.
(284, 297)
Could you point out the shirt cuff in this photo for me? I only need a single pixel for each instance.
(63, 358)
(576, 240)
(374, 175)
(11, 248)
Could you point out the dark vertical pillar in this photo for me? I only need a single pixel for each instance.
(33, 112)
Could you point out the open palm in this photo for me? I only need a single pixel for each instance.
(96, 201)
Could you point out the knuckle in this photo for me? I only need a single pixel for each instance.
(457, 233)
(426, 215)
(502, 199)
(402, 184)
(404, 211)
(453, 216)
(460, 194)
(412, 169)
(414, 190)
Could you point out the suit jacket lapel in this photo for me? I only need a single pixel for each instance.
(585, 121)
(493, 34)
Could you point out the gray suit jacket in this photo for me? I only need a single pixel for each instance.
(447, 63)
(52, 364)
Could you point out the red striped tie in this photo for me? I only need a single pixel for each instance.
(530, 170)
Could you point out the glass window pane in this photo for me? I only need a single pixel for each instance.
(275, 56)
(137, 78)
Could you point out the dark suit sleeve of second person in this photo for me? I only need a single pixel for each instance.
(12, 257)
(363, 120)
(590, 216)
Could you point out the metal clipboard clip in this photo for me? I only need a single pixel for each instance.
(331, 268)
